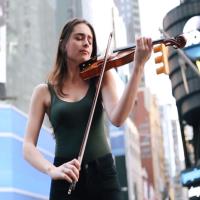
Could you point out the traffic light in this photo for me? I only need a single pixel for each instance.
(162, 58)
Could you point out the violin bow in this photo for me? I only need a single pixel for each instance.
(87, 130)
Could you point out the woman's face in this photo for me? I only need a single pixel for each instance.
(79, 46)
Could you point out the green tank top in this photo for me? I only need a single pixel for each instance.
(69, 121)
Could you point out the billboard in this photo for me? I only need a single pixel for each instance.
(18, 179)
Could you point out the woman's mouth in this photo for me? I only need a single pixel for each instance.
(84, 52)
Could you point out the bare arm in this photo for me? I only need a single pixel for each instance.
(39, 103)
(35, 120)
(118, 108)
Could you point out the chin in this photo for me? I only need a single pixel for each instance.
(85, 58)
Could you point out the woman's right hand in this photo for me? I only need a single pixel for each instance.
(68, 171)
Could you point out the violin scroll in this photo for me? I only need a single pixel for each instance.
(177, 42)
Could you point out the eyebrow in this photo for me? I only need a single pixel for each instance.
(83, 34)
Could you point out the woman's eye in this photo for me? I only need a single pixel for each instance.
(79, 38)
(89, 41)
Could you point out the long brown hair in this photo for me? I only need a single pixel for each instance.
(58, 73)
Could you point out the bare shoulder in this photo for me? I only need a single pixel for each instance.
(41, 89)
(110, 77)
(41, 92)
(110, 86)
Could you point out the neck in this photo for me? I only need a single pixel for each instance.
(73, 72)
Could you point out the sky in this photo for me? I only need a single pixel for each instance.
(151, 15)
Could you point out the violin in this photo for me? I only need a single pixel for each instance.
(122, 56)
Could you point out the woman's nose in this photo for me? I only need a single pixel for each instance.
(86, 43)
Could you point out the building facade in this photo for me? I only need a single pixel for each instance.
(30, 53)
(129, 11)
(147, 121)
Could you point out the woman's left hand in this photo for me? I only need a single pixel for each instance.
(143, 50)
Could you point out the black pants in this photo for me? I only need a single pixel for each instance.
(98, 181)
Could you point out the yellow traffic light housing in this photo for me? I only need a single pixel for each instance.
(162, 58)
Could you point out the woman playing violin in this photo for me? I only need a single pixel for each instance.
(67, 100)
